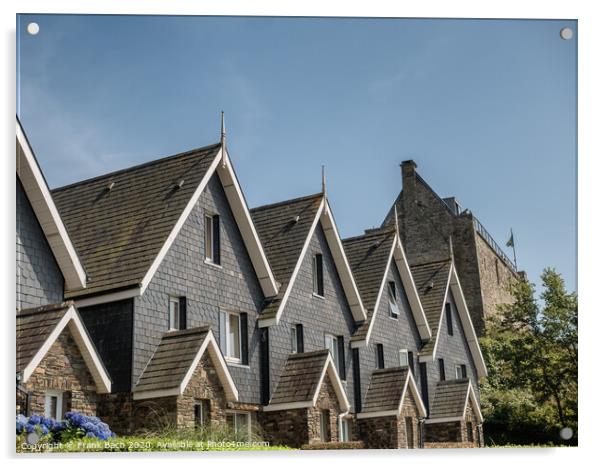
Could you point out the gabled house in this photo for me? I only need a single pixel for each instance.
(318, 305)
(169, 245)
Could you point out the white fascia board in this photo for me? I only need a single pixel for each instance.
(449, 276)
(85, 346)
(469, 331)
(340, 259)
(411, 383)
(333, 374)
(108, 297)
(380, 294)
(180, 223)
(382, 413)
(219, 363)
(246, 227)
(48, 215)
(291, 281)
(475, 404)
(288, 406)
(175, 391)
(410, 286)
(431, 421)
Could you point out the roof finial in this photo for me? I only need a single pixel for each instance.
(223, 140)
(323, 182)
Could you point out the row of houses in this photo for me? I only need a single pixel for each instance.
(155, 292)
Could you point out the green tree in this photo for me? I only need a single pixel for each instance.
(531, 351)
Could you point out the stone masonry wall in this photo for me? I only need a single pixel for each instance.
(39, 280)
(408, 410)
(379, 432)
(63, 369)
(327, 400)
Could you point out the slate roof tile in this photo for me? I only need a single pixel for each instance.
(450, 398)
(385, 389)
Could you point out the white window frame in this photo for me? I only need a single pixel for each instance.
(403, 356)
(236, 414)
(48, 395)
(174, 319)
(393, 303)
(458, 371)
(344, 430)
(334, 351)
(228, 345)
(208, 226)
(324, 425)
(316, 290)
(294, 341)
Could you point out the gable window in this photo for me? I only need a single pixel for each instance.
(403, 357)
(202, 413)
(233, 336)
(318, 275)
(174, 313)
(325, 426)
(393, 307)
(441, 370)
(344, 429)
(294, 346)
(379, 356)
(331, 344)
(53, 404)
(212, 239)
(460, 371)
(240, 424)
(448, 319)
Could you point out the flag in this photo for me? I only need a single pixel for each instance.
(510, 242)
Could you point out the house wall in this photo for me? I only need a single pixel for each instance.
(319, 316)
(110, 326)
(39, 280)
(394, 334)
(454, 350)
(64, 369)
(207, 288)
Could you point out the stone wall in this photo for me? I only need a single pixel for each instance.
(408, 410)
(327, 400)
(63, 369)
(116, 409)
(39, 280)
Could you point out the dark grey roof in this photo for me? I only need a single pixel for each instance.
(172, 359)
(300, 377)
(118, 232)
(385, 390)
(450, 398)
(431, 282)
(282, 236)
(367, 255)
(34, 326)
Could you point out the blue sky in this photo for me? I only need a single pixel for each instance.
(487, 109)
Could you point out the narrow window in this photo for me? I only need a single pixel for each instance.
(212, 239)
(463, 367)
(174, 313)
(331, 344)
(344, 429)
(403, 357)
(318, 275)
(300, 344)
(341, 357)
(202, 413)
(424, 385)
(294, 347)
(458, 371)
(393, 308)
(409, 433)
(232, 335)
(357, 391)
(325, 426)
(469, 433)
(240, 424)
(448, 318)
(411, 361)
(379, 356)
(53, 405)
(441, 370)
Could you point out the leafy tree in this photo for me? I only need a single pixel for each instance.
(531, 352)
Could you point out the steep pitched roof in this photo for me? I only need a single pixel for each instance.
(387, 391)
(432, 281)
(370, 256)
(39, 328)
(176, 357)
(120, 221)
(301, 379)
(38, 194)
(285, 230)
(451, 400)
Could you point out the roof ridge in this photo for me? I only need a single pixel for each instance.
(373, 233)
(394, 369)
(288, 201)
(313, 353)
(134, 167)
(451, 382)
(428, 263)
(45, 308)
(189, 331)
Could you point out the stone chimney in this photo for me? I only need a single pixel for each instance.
(408, 180)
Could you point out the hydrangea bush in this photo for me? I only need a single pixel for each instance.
(75, 426)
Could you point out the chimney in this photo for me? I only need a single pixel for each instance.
(408, 180)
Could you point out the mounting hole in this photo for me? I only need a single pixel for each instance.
(566, 433)
(566, 34)
(33, 28)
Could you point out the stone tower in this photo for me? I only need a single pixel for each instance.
(433, 228)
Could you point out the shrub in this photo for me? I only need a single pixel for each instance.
(335, 445)
(75, 426)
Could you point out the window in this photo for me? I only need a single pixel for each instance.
(212, 239)
(393, 308)
(460, 371)
(318, 275)
(174, 313)
(379, 356)
(448, 318)
(202, 413)
(409, 433)
(403, 357)
(332, 345)
(240, 423)
(411, 361)
(325, 426)
(53, 405)
(424, 384)
(294, 346)
(441, 370)
(344, 429)
(469, 433)
(299, 333)
(233, 336)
